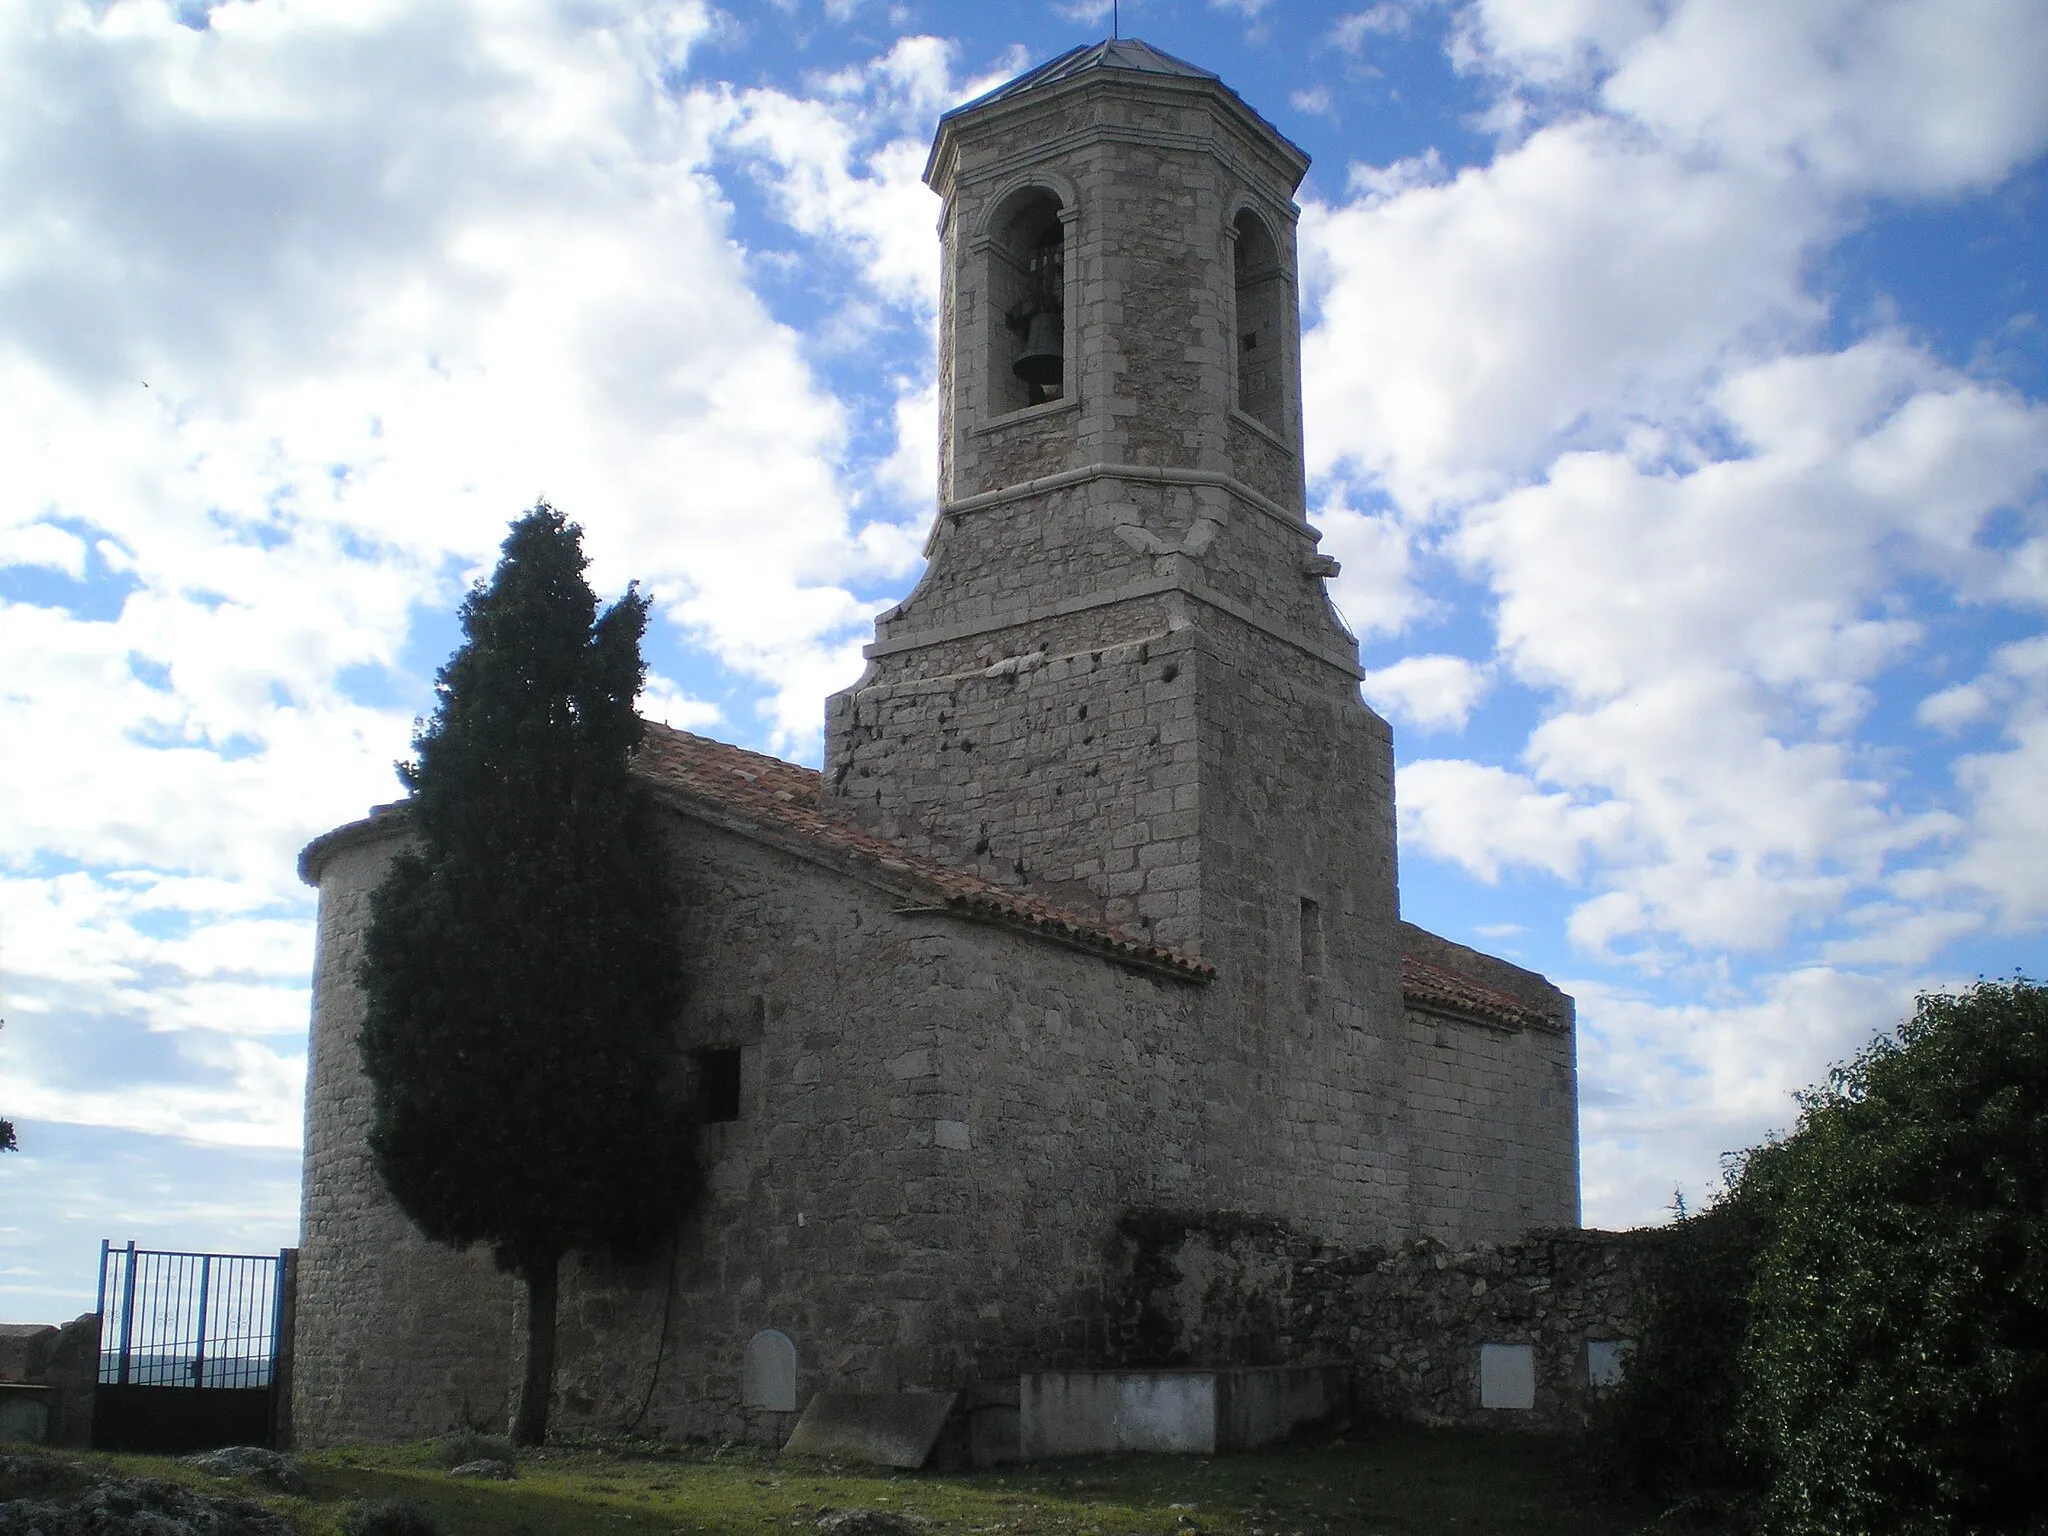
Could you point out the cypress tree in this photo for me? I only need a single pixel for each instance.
(522, 966)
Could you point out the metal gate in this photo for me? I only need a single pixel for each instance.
(189, 1349)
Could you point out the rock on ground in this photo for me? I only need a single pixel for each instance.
(488, 1466)
(142, 1506)
(255, 1463)
(868, 1522)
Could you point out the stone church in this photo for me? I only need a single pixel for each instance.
(1092, 909)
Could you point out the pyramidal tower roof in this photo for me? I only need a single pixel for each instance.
(1114, 53)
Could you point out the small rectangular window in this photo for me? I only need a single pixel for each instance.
(1311, 940)
(718, 1084)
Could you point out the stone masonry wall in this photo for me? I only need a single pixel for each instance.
(1160, 703)
(940, 1122)
(1490, 1138)
(1490, 1135)
(1299, 914)
(63, 1360)
(1408, 1320)
(1073, 774)
(395, 1337)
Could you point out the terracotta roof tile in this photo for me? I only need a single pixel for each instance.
(783, 798)
(1434, 989)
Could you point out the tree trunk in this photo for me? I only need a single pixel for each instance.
(530, 1421)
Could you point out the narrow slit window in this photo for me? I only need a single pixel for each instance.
(1311, 954)
(718, 1084)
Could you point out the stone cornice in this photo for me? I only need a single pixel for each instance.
(1147, 474)
(1289, 157)
(1147, 586)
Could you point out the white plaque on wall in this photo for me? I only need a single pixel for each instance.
(1507, 1376)
(768, 1379)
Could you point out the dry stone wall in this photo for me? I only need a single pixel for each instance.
(1410, 1321)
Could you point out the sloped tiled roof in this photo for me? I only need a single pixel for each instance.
(771, 796)
(780, 802)
(1436, 990)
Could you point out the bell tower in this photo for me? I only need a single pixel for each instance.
(1120, 682)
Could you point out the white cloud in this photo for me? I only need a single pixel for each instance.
(1589, 368)
(2005, 856)
(1669, 1089)
(1464, 328)
(1954, 707)
(298, 308)
(1486, 818)
(1377, 588)
(1713, 629)
(661, 699)
(45, 546)
(1315, 101)
(830, 180)
(1384, 19)
(912, 471)
(1909, 96)
(1431, 692)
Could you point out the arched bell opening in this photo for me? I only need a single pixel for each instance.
(1262, 307)
(1027, 288)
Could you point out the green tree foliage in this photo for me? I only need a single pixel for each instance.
(1854, 1338)
(1896, 1361)
(522, 967)
(1670, 1427)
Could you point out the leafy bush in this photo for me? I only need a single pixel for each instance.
(391, 1517)
(1670, 1428)
(1855, 1335)
(1896, 1360)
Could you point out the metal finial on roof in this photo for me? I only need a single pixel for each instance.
(1116, 20)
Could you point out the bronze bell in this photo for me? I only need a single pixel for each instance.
(1040, 362)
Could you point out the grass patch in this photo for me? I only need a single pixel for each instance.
(1385, 1480)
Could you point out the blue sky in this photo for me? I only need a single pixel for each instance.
(1677, 400)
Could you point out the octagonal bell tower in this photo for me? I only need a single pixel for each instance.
(1138, 198)
(1120, 682)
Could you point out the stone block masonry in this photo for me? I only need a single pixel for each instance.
(938, 1119)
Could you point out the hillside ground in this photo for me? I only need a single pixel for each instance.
(1375, 1480)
